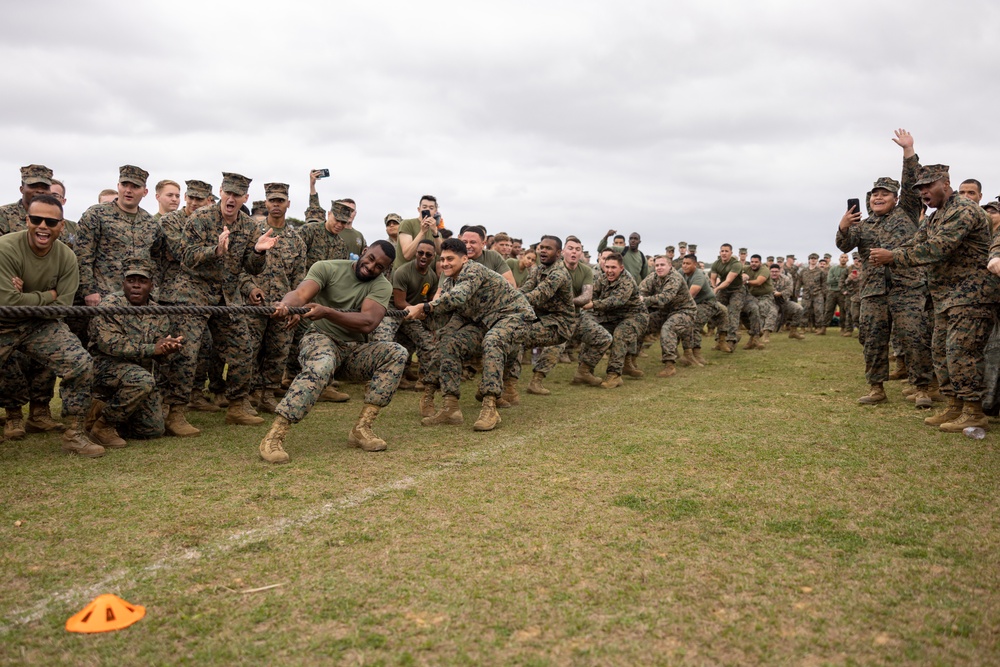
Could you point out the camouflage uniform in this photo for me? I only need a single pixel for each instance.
(549, 291)
(585, 330)
(850, 285)
(835, 296)
(123, 347)
(671, 310)
(734, 297)
(709, 310)
(619, 309)
(487, 313)
(414, 335)
(210, 281)
(285, 268)
(813, 306)
(13, 217)
(108, 239)
(892, 298)
(955, 245)
(763, 297)
(791, 310)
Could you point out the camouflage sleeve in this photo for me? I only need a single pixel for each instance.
(926, 248)
(909, 199)
(197, 247)
(86, 248)
(617, 296)
(531, 281)
(253, 262)
(110, 337)
(314, 201)
(459, 294)
(246, 285)
(300, 269)
(847, 239)
(653, 297)
(546, 288)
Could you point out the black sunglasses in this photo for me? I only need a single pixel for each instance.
(39, 220)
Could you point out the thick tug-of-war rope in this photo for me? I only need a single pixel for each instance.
(58, 312)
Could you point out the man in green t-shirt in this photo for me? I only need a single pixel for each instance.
(424, 227)
(474, 238)
(710, 311)
(757, 278)
(348, 301)
(727, 282)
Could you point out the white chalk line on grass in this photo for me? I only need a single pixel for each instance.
(128, 577)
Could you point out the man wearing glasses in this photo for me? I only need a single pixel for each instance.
(37, 271)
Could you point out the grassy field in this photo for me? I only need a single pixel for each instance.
(744, 513)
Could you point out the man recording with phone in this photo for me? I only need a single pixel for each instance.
(422, 228)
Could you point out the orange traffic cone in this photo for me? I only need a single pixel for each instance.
(107, 612)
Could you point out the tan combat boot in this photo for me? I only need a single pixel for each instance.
(450, 413)
(821, 331)
(876, 394)
(105, 434)
(14, 428)
(953, 411)
(75, 441)
(908, 390)
(177, 425)
(427, 401)
(585, 375)
(630, 369)
(753, 344)
(720, 343)
(728, 347)
(221, 401)
(271, 446)
(362, 435)
(40, 419)
(669, 370)
(239, 413)
(509, 396)
(700, 360)
(254, 399)
(846, 333)
(535, 386)
(613, 380)
(795, 333)
(900, 372)
(96, 408)
(972, 415)
(331, 395)
(489, 418)
(766, 338)
(268, 403)
(200, 403)
(921, 399)
(686, 359)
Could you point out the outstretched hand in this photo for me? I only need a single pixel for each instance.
(266, 241)
(903, 139)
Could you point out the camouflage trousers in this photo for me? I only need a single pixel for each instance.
(133, 401)
(737, 303)
(790, 310)
(767, 311)
(813, 309)
(210, 367)
(322, 357)
(588, 333)
(544, 333)
(903, 314)
(854, 308)
(625, 336)
(231, 341)
(413, 335)
(50, 343)
(709, 312)
(672, 329)
(269, 340)
(836, 300)
(23, 380)
(959, 347)
(459, 340)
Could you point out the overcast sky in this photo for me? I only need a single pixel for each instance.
(708, 122)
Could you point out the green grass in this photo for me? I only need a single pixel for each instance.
(745, 513)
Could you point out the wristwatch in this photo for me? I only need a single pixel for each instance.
(427, 308)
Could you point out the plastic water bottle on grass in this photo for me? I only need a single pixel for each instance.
(974, 432)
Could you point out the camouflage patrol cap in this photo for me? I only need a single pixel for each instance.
(930, 173)
(789, 256)
(855, 256)
(128, 173)
(670, 248)
(827, 255)
(36, 173)
(682, 244)
(995, 205)
(341, 211)
(692, 247)
(393, 217)
(743, 251)
(236, 184)
(138, 267)
(886, 183)
(259, 207)
(770, 259)
(276, 191)
(315, 214)
(198, 189)
(813, 255)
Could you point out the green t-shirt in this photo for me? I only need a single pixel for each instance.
(339, 288)
(515, 269)
(418, 288)
(354, 240)
(723, 269)
(701, 280)
(491, 259)
(57, 271)
(582, 276)
(765, 288)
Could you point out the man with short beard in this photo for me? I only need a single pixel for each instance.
(217, 244)
(671, 311)
(618, 308)
(892, 297)
(757, 278)
(348, 301)
(549, 290)
(483, 312)
(709, 310)
(35, 270)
